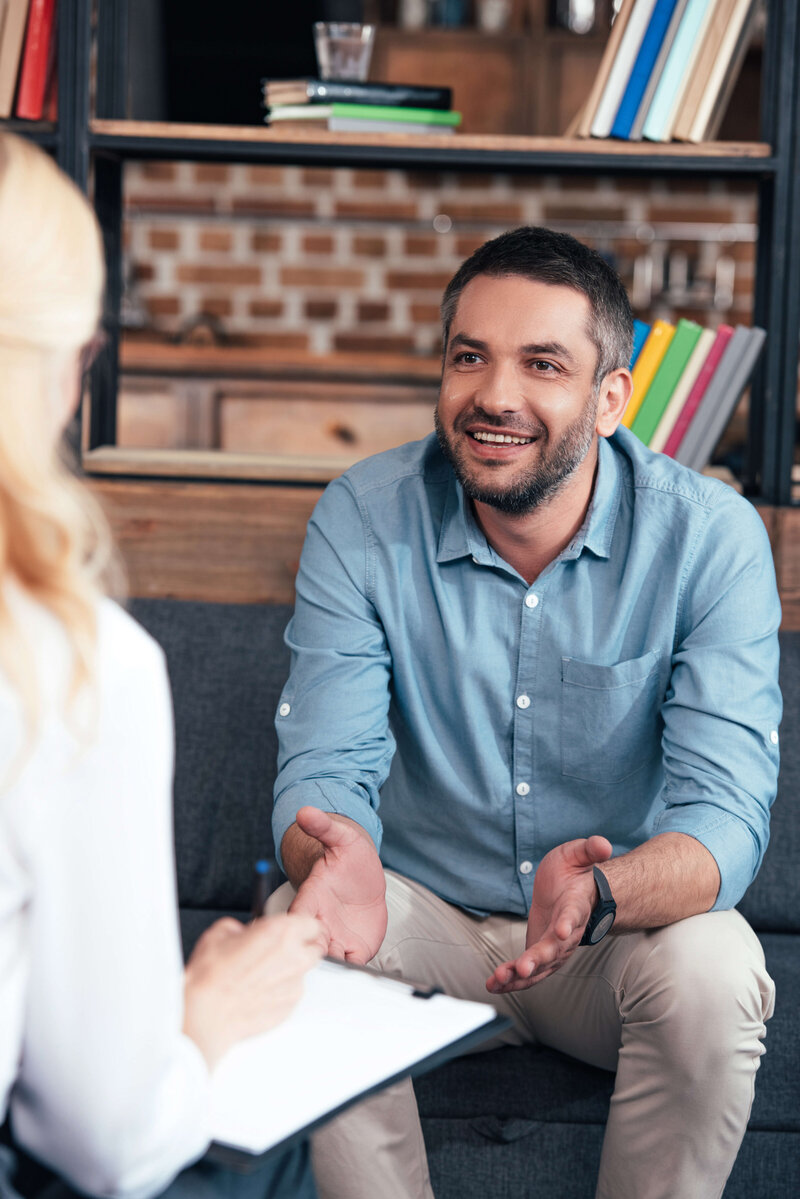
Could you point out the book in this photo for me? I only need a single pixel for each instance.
(640, 333)
(371, 113)
(33, 70)
(646, 366)
(723, 99)
(642, 67)
(353, 91)
(621, 67)
(367, 125)
(721, 397)
(635, 133)
(683, 387)
(270, 1089)
(658, 122)
(715, 63)
(671, 367)
(706, 373)
(12, 36)
(583, 123)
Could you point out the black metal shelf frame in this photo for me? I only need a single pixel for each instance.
(771, 438)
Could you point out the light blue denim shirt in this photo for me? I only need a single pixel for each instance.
(631, 690)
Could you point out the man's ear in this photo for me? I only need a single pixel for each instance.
(615, 392)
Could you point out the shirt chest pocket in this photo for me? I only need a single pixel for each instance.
(610, 718)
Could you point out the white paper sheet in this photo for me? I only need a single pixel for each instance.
(351, 1031)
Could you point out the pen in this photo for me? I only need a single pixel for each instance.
(261, 887)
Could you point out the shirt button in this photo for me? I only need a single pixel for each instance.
(284, 709)
(523, 701)
(474, 559)
(531, 601)
(523, 789)
(525, 867)
(774, 736)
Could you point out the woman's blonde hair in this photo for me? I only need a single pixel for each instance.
(54, 541)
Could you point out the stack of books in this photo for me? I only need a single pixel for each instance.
(668, 70)
(28, 69)
(348, 106)
(687, 380)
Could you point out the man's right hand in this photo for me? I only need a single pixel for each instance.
(344, 889)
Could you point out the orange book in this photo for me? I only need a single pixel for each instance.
(646, 366)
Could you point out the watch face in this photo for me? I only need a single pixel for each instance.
(602, 927)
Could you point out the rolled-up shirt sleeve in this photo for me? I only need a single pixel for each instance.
(723, 708)
(335, 745)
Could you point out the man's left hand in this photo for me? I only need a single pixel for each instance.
(564, 893)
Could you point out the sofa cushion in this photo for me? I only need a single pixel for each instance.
(772, 903)
(227, 665)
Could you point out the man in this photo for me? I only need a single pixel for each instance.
(565, 646)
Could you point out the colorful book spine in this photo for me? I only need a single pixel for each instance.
(721, 398)
(673, 442)
(646, 366)
(641, 329)
(658, 70)
(33, 73)
(642, 68)
(658, 124)
(621, 67)
(665, 380)
(682, 389)
(11, 43)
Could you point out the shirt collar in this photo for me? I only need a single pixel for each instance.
(461, 536)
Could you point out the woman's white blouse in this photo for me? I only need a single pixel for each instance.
(100, 1082)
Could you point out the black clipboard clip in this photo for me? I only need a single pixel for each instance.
(426, 992)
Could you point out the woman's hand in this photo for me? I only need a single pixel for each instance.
(243, 979)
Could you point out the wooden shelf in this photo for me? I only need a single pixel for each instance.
(150, 357)
(214, 465)
(148, 139)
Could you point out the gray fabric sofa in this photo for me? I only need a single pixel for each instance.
(510, 1122)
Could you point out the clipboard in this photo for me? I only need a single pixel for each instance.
(271, 1091)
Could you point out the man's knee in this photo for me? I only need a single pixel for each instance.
(704, 981)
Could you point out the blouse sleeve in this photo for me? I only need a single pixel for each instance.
(110, 1093)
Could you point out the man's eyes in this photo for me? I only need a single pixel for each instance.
(470, 358)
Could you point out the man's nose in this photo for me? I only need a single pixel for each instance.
(499, 391)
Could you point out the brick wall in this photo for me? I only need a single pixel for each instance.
(326, 260)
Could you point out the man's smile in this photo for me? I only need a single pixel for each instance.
(501, 438)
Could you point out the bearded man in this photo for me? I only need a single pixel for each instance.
(565, 648)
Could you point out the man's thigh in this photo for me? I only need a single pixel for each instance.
(698, 971)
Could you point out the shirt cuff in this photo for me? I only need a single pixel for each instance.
(330, 795)
(730, 842)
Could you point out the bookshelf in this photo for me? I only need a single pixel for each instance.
(100, 147)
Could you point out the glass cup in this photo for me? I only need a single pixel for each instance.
(344, 49)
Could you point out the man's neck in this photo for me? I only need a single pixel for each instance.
(532, 540)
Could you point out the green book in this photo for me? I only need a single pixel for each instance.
(679, 351)
(383, 112)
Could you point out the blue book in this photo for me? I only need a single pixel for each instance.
(642, 67)
(640, 332)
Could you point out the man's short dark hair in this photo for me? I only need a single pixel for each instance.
(556, 258)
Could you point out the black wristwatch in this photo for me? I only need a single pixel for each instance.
(603, 912)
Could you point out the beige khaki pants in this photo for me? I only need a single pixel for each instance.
(678, 1012)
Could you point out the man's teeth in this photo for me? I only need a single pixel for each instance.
(502, 438)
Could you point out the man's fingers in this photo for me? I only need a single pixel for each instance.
(320, 825)
(586, 851)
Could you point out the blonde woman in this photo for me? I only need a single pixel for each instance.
(106, 1045)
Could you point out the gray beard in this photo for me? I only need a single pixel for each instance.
(557, 464)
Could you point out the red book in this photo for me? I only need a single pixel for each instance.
(33, 74)
(724, 334)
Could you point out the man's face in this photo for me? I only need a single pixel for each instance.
(517, 411)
